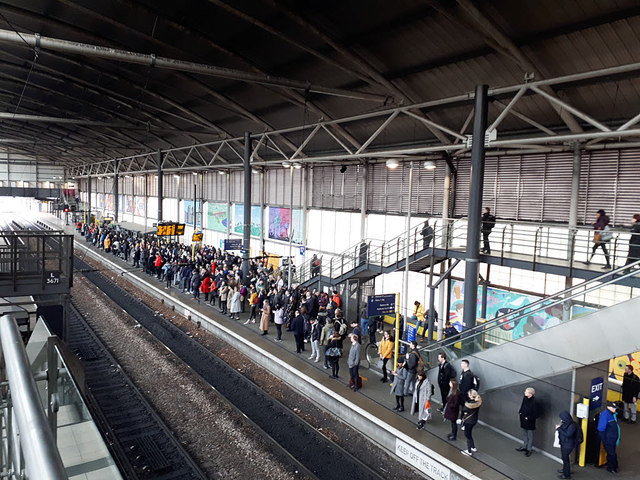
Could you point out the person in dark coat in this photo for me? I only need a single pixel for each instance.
(630, 390)
(634, 241)
(609, 433)
(528, 414)
(469, 419)
(488, 222)
(567, 431)
(297, 327)
(452, 408)
(427, 235)
(599, 226)
(446, 373)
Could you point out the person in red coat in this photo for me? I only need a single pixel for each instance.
(205, 287)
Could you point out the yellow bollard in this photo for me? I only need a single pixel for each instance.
(583, 426)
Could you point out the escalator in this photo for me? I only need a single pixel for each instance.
(504, 355)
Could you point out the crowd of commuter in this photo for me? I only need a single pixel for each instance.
(316, 321)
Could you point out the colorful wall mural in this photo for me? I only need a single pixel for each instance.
(238, 219)
(280, 221)
(501, 302)
(217, 217)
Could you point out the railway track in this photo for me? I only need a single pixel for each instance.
(140, 442)
(294, 439)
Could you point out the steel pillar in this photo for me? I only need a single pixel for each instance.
(475, 207)
(246, 236)
(573, 223)
(116, 192)
(363, 202)
(88, 220)
(159, 186)
(407, 308)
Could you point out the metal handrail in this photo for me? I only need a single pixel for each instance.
(542, 304)
(42, 459)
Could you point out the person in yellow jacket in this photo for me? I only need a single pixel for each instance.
(385, 349)
(418, 316)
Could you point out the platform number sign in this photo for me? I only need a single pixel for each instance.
(52, 278)
(597, 391)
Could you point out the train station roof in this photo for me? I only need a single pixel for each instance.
(84, 81)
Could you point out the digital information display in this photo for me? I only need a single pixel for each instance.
(169, 229)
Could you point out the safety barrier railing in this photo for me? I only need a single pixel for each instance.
(536, 242)
(30, 449)
(505, 328)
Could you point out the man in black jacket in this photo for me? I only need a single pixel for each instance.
(445, 373)
(468, 380)
(488, 222)
(528, 414)
(630, 390)
(567, 431)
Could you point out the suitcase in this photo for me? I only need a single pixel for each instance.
(359, 382)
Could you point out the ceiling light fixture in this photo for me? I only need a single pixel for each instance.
(297, 165)
(195, 173)
(429, 164)
(392, 163)
(221, 172)
(286, 164)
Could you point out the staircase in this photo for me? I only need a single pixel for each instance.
(504, 355)
(370, 258)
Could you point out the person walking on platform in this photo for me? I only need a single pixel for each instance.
(446, 373)
(353, 363)
(634, 241)
(402, 384)
(488, 222)
(333, 353)
(528, 413)
(601, 237)
(422, 399)
(452, 408)
(469, 419)
(266, 317)
(567, 434)
(427, 235)
(609, 433)
(630, 391)
(385, 350)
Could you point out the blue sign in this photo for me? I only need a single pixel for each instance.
(233, 244)
(597, 391)
(381, 304)
(302, 249)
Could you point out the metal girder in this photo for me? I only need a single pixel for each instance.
(338, 151)
(47, 43)
(504, 45)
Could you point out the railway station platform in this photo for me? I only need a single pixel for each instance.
(370, 409)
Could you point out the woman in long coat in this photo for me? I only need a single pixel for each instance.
(266, 317)
(452, 408)
(422, 399)
(402, 385)
(236, 305)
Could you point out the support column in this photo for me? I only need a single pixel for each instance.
(407, 308)
(228, 173)
(88, 207)
(291, 232)
(116, 192)
(475, 208)
(160, 193)
(262, 204)
(573, 223)
(246, 237)
(195, 206)
(444, 241)
(305, 204)
(363, 202)
(146, 203)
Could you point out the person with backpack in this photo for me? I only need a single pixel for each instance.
(528, 413)
(609, 433)
(488, 222)
(421, 403)
(567, 436)
(468, 381)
